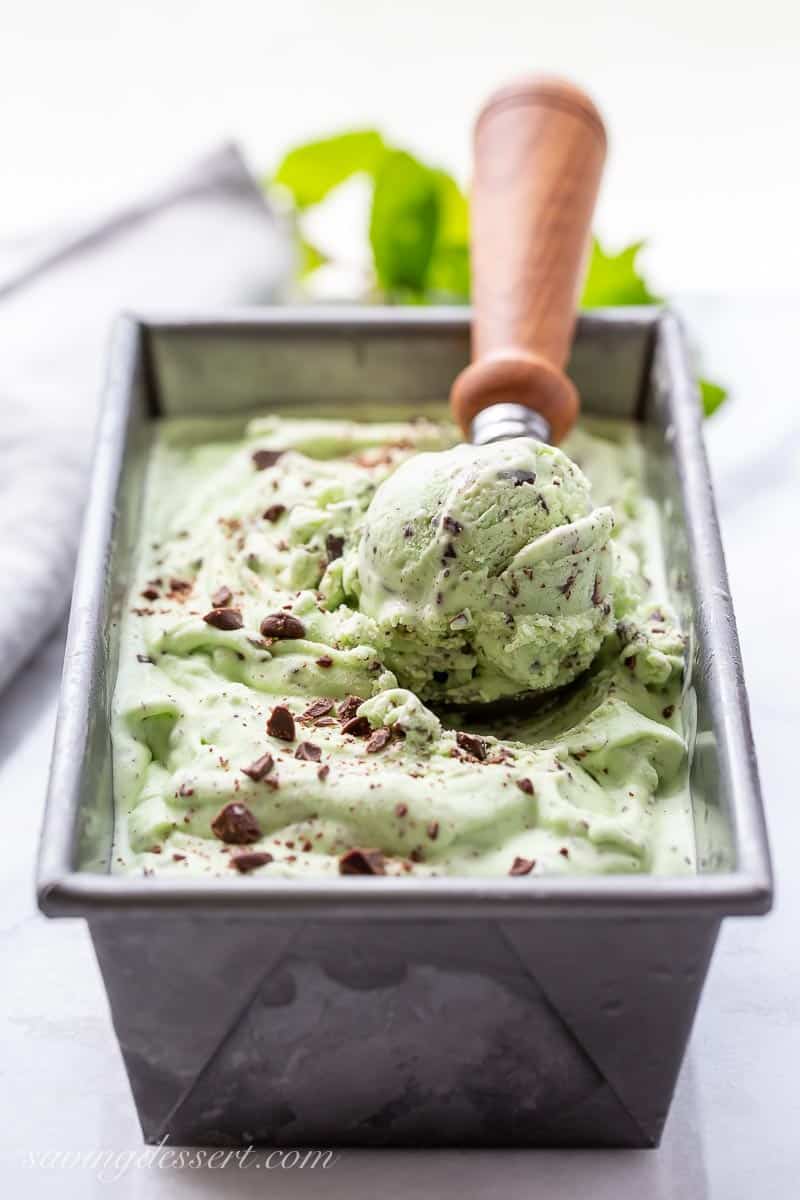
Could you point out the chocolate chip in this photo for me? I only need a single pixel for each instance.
(596, 591)
(249, 862)
(668, 711)
(564, 852)
(525, 786)
(518, 476)
(260, 768)
(334, 545)
(323, 773)
(433, 830)
(449, 551)
(150, 594)
(224, 618)
(473, 745)
(266, 458)
(325, 662)
(452, 525)
(280, 723)
(630, 662)
(308, 752)
(274, 512)
(400, 810)
(222, 597)
(236, 824)
(566, 588)
(379, 740)
(522, 866)
(362, 862)
(320, 708)
(282, 625)
(349, 707)
(440, 676)
(178, 857)
(357, 727)
(185, 790)
(181, 585)
(145, 658)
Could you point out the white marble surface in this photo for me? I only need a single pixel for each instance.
(732, 1133)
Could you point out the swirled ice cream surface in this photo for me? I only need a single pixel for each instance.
(292, 659)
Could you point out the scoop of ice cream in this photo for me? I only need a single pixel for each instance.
(487, 571)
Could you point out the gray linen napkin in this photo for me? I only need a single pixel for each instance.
(205, 241)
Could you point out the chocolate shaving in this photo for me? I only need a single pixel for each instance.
(222, 597)
(357, 727)
(668, 711)
(349, 707)
(224, 618)
(379, 741)
(334, 545)
(319, 708)
(362, 862)
(274, 512)
(260, 768)
(266, 458)
(251, 860)
(596, 591)
(522, 866)
(181, 585)
(452, 525)
(236, 825)
(145, 658)
(472, 744)
(433, 830)
(525, 786)
(282, 625)
(185, 790)
(325, 662)
(308, 752)
(150, 594)
(400, 810)
(280, 723)
(323, 773)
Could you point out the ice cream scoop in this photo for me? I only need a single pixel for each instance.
(486, 567)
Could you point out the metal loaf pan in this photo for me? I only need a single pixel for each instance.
(387, 1011)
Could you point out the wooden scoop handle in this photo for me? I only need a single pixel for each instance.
(539, 152)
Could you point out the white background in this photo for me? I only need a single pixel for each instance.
(100, 97)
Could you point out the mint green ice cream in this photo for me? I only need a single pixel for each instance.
(284, 656)
(487, 570)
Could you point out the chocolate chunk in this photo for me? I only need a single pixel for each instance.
(323, 773)
(349, 707)
(282, 625)
(566, 588)
(280, 723)
(236, 824)
(266, 458)
(362, 862)
(517, 476)
(320, 708)
(274, 512)
(150, 593)
(400, 810)
(449, 551)
(222, 597)
(522, 866)
(630, 662)
(325, 662)
(440, 676)
(433, 830)
(525, 786)
(452, 525)
(379, 740)
(178, 857)
(308, 752)
(224, 618)
(185, 790)
(473, 745)
(249, 862)
(334, 545)
(564, 852)
(596, 591)
(145, 658)
(260, 768)
(357, 727)
(668, 711)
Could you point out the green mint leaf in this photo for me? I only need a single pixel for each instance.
(712, 395)
(448, 275)
(613, 279)
(403, 223)
(313, 170)
(311, 257)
